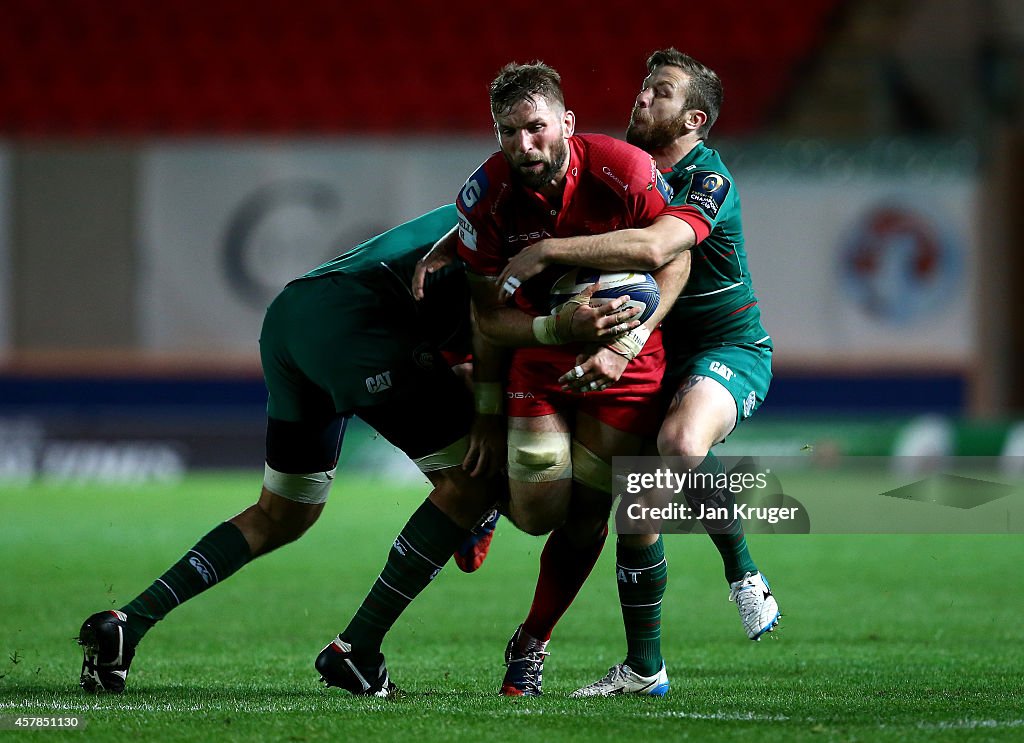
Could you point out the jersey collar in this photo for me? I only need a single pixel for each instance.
(690, 158)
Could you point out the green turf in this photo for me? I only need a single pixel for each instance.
(884, 637)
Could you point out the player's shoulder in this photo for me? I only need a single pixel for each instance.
(618, 163)
(438, 220)
(705, 182)
(709, 155)
(709, 160)
(485, 186)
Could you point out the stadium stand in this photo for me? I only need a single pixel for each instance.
(193, 67)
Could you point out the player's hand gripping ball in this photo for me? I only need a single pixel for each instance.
(641, 288)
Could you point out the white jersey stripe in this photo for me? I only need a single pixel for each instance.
(716, 291)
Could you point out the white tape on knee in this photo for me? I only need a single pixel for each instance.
(589, 469)
(450, 456)
(539, 456)
(311, 488)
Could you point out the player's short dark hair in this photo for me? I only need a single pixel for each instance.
(705, 88)
(525, 82)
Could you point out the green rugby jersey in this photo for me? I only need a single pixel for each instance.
(378, 273)
(718, 304)
(399, 248)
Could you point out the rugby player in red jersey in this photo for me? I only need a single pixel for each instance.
(546, 181)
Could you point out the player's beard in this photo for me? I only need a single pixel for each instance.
(552, 166)
(647, 134)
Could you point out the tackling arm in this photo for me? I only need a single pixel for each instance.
(498, 324)
(645, 248)
(638, 248)
(671, 278)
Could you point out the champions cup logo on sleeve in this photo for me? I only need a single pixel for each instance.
(708, 191)
(711, 183)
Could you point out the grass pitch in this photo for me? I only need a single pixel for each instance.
(883, 637)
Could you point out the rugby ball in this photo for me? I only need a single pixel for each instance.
(641, 288)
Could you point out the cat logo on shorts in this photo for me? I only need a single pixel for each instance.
(721, 369)
(378, 382)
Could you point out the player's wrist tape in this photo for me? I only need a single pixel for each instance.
(630, 344)
(488, 398)
(556, 329)
(545, 330)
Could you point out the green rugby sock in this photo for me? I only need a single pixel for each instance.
(641, 575)
(727, 536)
(425, 544)
(216, 556)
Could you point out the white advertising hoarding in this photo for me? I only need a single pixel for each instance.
(851, 265)
(225, 226)
(866, 263)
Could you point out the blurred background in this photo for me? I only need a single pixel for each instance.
(165, 167)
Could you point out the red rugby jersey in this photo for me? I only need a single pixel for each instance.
(610, 185)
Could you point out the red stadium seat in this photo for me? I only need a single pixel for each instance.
(190, 67)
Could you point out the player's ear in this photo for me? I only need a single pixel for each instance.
(695, 119)
(568, 123)
(497, 134)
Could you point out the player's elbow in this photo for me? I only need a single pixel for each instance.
(663, 242)
(654, 255)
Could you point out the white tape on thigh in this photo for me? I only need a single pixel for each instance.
(589, 469)
(451, 456)
(311, 488)
(539, 456)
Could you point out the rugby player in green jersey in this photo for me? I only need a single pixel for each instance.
(718, 353)
(347, 339)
